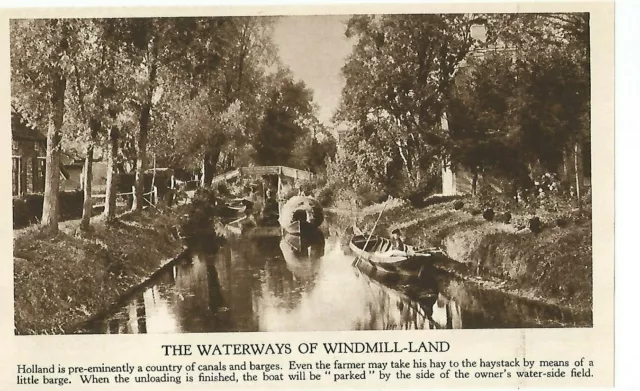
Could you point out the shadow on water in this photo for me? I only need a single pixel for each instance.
(262, 281)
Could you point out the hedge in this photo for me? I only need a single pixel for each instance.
(27, 209)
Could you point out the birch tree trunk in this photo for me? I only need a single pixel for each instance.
(50, 207)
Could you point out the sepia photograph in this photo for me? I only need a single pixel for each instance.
(280, 173)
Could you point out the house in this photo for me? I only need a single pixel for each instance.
(28, 150)
(28, 156)
(75, 169)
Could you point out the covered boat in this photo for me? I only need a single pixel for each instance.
(379, 252)
(300, 228)
(301, 214)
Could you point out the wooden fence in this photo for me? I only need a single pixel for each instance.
(152, 198)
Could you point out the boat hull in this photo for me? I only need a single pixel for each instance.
(377, 254)
(301, 208)
(235, 209)
(301, 228)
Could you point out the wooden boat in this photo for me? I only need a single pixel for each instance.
(307, 247)
(294, 228)
(300, 208)
(236, 208)
(378, 251)
(240, 203)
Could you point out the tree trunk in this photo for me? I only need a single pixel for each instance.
(112, 153)
(207, 169)
(141, 159)
(474, 184)
(578, 171)
(50, 210)
(143, 135)
(87, 204)
(86, 186)
(405, 159)
(215, 156)
(566, 165)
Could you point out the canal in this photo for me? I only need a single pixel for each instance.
(262, 281)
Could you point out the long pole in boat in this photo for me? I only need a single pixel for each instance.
(370, 234)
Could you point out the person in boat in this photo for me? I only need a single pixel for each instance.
(398, 248)
(270, 207)
(396, 241)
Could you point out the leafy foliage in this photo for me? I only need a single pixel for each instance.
(420, 89)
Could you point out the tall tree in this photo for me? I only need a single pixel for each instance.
(290, 104)
(40, 68)
(483, 115)
(396, 77)
(554, 55)
(203, 63)
(90, 65)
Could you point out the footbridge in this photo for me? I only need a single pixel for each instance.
(280, 171)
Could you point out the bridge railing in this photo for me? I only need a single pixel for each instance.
(225, 177)
(264, 170)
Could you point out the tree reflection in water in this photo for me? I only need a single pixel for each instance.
(272, 283)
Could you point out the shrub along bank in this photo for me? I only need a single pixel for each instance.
(27, 209)
(553, 265)
(62, 279)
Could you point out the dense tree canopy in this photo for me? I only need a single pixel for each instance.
(197, 93)
(421, 89)
(210, 94)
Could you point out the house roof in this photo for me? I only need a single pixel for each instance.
(21, 130)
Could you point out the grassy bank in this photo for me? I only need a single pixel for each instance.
(63, 279)
(554, 266)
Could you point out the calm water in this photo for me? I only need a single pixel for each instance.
(266, 282)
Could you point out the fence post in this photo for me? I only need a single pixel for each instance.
(155, 195)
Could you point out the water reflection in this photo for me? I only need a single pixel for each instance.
(268, 282)
(302, 255)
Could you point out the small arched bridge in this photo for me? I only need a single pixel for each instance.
(280, 171)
